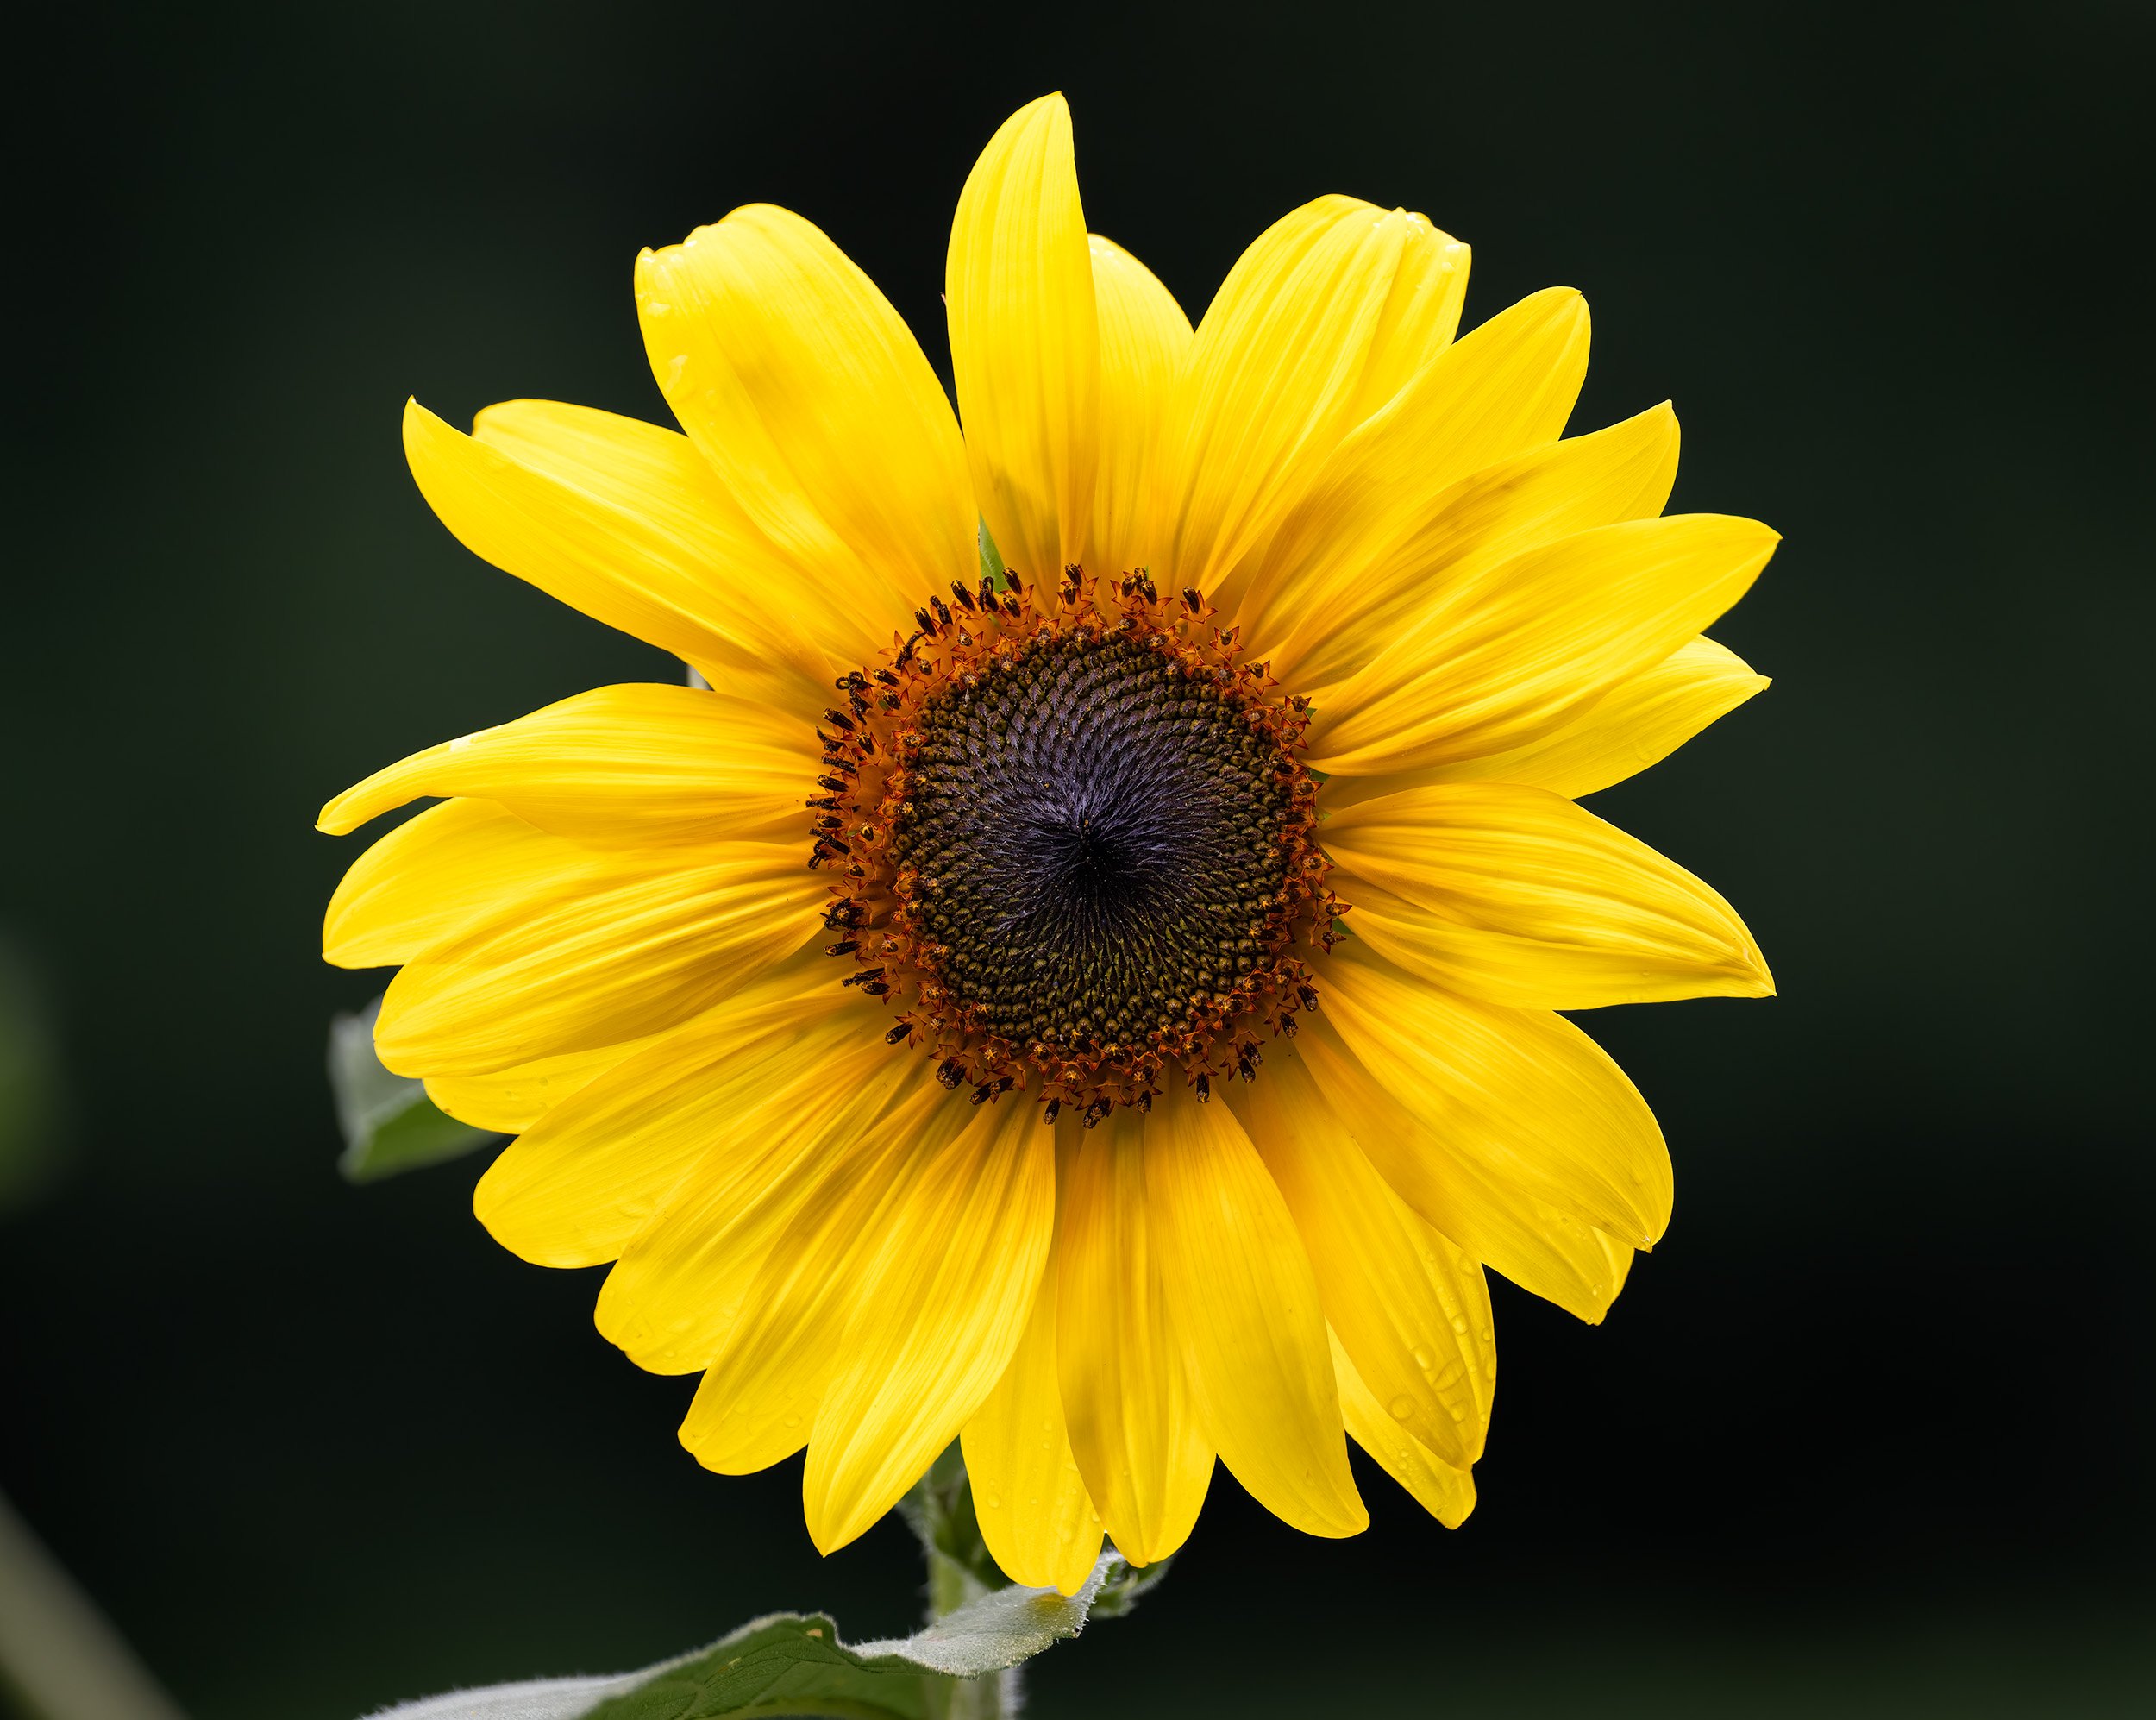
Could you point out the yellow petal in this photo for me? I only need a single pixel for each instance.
(760, 1394)
(1018, 289)
(1507, 386)
(1126, 1402)
(1276, 374)
(683, 1279)
(628, 956)
(1519, 653)
(512, 1100)
(941, 1305)
(1515, 896)
(592, 1172)
(1522, 1095)
(1542, 1248)
(811, 399)
(1620, 1258)
(1637, 722)
(620, 767)
(1420, 315)
(630, 526)
(1447, 1493)
(1412, 1307)
(1144, 338)
(1356, 576)
(1030, 1502)
(777, 605)
(446, 874)
(1242, 1304)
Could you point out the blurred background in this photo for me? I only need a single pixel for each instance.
(1870, 1433)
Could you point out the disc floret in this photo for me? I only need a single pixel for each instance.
(1074, 843)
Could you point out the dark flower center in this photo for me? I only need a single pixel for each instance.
(1076, 844)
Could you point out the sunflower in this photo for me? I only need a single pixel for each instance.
(1077, 972)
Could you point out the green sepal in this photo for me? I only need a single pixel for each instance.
(1126, 1585)
(390, 1125)
(992, 567)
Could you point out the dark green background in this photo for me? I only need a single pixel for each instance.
(1870, 1433)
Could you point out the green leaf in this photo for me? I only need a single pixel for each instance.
(389, 1123)
(992, 567)
(787, 1664)
(998, 1630)
(794, 1663)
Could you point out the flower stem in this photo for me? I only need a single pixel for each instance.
(959, 1570)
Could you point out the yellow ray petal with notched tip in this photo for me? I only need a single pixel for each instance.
(601, 1164)
(941, 1306)
(1507, 386)
(633, 532)
(1414, 1310)
(1242, 1305)
(1024, 350)
(1334, 295)
(1447, 1493)
(1145, 339)
(811, 399)
(620, 767)
(1522, 1092)
(762, 1392)
(1370, 588)
(1515, 896)
(1419, 317)
(450, 872)
(1028, 1495)
(1133, 1428)
(628, 955)
(1637, 722)
(1542, 1248)
(1519, 653)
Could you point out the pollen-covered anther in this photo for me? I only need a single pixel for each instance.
(1081, 831)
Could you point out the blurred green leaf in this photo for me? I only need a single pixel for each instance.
(794, 1663)
(389, 1123)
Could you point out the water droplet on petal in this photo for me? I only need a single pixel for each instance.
(1425, 1359)
(1402, 1407)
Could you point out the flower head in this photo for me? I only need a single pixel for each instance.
(1082, 974)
